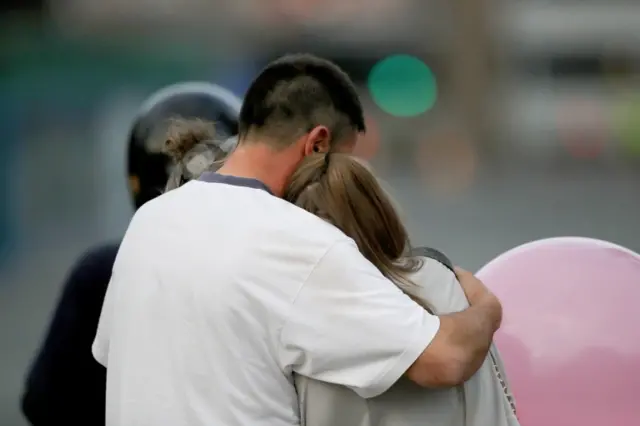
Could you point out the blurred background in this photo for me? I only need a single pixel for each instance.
(495, 122)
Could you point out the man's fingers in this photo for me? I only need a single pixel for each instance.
(460, 271)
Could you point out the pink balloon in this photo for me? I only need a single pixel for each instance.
(570, 336)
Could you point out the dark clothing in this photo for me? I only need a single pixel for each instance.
(66, 386)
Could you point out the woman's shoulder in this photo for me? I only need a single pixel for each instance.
(436, 283)
(434, 254)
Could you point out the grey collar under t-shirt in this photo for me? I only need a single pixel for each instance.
(213, 177)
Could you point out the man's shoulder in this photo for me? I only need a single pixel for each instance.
(311, 226)
(275, 212)
(280, 226)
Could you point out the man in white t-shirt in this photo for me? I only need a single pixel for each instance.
(221, 290)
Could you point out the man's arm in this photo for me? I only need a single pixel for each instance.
(349, 325)
(463, 340)
(481, 325)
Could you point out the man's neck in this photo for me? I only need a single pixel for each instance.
(258, 161)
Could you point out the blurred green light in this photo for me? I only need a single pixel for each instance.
(628, 126)
(403, 86)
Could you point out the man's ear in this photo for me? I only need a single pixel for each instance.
(318, 140)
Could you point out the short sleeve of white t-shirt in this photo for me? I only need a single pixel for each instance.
(351, 326)
(102, 339)
(101, 342)
(100, 346)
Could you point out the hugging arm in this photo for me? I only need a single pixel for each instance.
(467, 335)
(351, 326)
(460, 346)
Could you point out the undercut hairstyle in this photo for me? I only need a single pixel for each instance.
(294, 94)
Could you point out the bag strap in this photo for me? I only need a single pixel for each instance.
(505, 388)
(437, 255)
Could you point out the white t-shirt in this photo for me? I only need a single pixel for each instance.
(220, 291)
(481, 401)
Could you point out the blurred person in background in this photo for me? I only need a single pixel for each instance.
(221, 290)
(343, 191)
(65, 385)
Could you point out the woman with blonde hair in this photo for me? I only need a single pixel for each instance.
(342, 190)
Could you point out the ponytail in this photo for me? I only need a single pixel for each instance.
(192, 146)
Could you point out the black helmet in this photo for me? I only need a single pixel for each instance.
(148, 166)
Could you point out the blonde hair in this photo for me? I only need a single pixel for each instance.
(192, 146)
(343, 191)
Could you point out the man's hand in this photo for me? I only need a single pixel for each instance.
(476, 291)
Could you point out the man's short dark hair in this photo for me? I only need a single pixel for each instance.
(297, 92)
